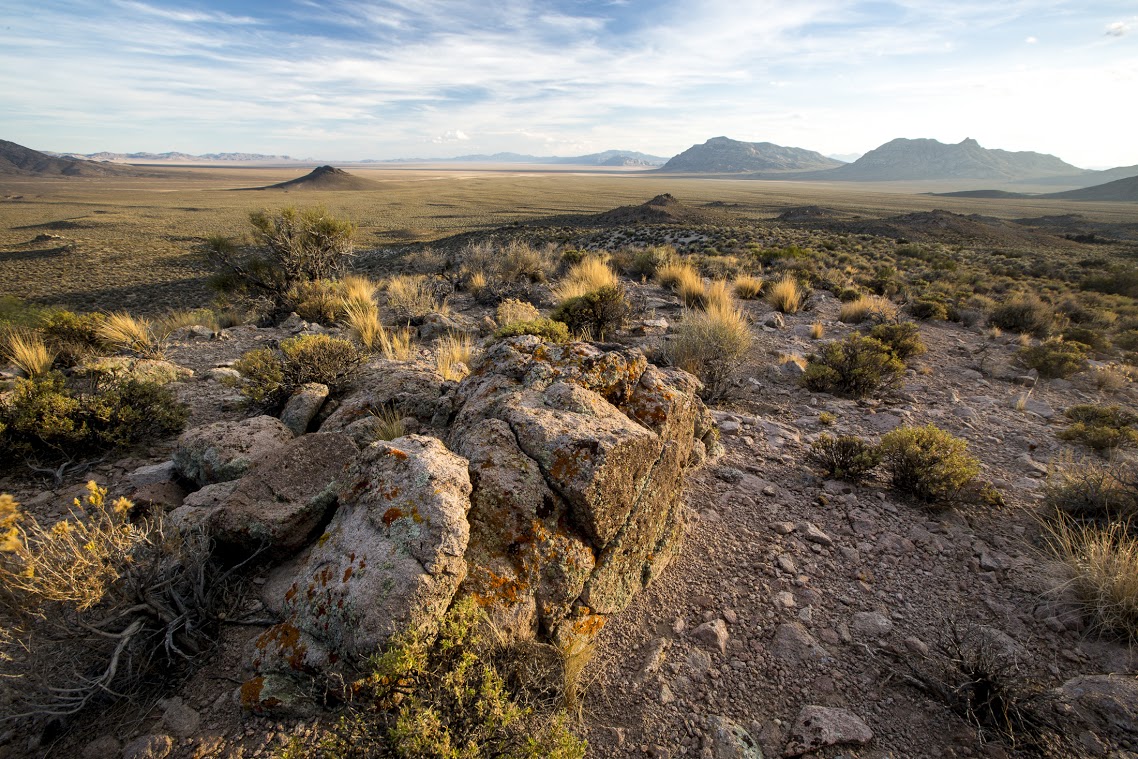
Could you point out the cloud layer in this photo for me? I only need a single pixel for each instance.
(401, 78)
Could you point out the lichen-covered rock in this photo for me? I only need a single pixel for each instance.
(1106, 704)
(224, 451)
(390, 559)
(577, 456)
(141, 369)
(381, 385)
(284, 496)
(303, 406)
(821, 726)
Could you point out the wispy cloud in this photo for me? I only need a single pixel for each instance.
(361, 78)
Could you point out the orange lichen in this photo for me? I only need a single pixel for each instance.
(391, 515)
(589, 625)
(251, 692)
(401, 455)
(285, 637)
(348, 574)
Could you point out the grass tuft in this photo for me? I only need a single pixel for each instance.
(748, 287)
(130, 333)
(587, 276)
(452, 357)
(28, 352)
(785, 295)
(868, 308)
(1103, 561)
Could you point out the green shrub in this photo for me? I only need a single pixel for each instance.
(928, 310)
(903, 340)
(856, 366)
(271, 376)
(846, 457)
(289, 248)
(451, 698)
(1024, 314)
(598, 313)
(713, 345)
(927, 462)
(1054, 358)
(1086, 489)
(1100, 427)
(53, 419)
(546, 329)
(73, 337)
(1092, 338)
(644, 262)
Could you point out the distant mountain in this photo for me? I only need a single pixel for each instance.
(925, 159)
(722, 155)
(845, 157)
(1120, 190)
(175, 157)
(19, 160)
(325, 178)
(606, 158)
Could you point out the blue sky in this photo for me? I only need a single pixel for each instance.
(352, 79)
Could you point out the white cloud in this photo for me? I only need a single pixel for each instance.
(1032, 40)
(1119, 28)
(453, 135)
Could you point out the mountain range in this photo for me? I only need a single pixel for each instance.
(722, 155)
(605, 158)
(173, 157)
(19, 160)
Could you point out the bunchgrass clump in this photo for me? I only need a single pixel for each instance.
(411, 295)
(713, 345)
(856, 366)
(588, 276)
(130, 333)
(452, 357)
(785, 295)
(512, 310)
(1086, 489)
(928, 463)
(748, 287)
(1103, 562)
(873, 308)
(846, 457)
(26, 350)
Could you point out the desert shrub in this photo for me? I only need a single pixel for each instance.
(1112, 377)
(928, 310)
(712, 344)
(318, 300)
(25, 349)
(1024, 313)
(856, 366)
(1103, 562)
(1101, 428)
(748, 287)
(1092, 338)
(546, 329)
(129, 333)
(50, 418)
(412, 296)
(452, 356)
(588, 276)
(903, 340)
(450, 697)
(868, 308)
(1054, 358)
(785, 295)
(512, 310)
(644, 262)
(20, 313)
(104, 605)
(270, 376)
(1086, 489)
(289, 247)
(927, 462)
(519, 261)
(73, 337)
(598, 313)
(846, 457)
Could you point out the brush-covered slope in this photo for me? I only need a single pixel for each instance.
(924, 159)
(722, 155)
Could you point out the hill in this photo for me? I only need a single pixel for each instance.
(722, 155)
(662, 209)
(176, 157)
(19, 160)
(324, 178)
(925, 159)
(1120, 190)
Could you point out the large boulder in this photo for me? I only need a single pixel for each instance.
(284, 496)
(408, 390)
(1105, 704)
(577, 455)
(224, 451)
(390, 560)
(303, 405)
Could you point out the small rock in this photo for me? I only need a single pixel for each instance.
(223, 374)
(775, 321)
(153, 475)
(870, 624)
(813, 534)
(821, 726)
(712, 634)
(730, 741)
(303, 406)
(783, 528)
(792, 643)
(785, 599)
(102, 747)
(149, 747)
(179, 719)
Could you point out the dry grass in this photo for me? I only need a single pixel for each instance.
(748, 287)
(685, 281)
(511, 311)
(357, 289)
(362, 320)
(868, 308)
(390, 424)
(817, 331)
(785, 295)
(588, 276)
(792, 358)
(713, 345)
(452, 357)
(130, 333)
(412, 294)
(186, 317)
(718, 296)
(476, 283)
(575, 657)
(1103, 561)
(26, 350)
(1111, 378)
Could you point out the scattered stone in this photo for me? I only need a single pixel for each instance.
(794, 644)
(102, 747)
(813, 534)
(303, 406)
(870, 624)
(149, 747)
(819, 726)
(1108, 704)
(774, 320)
(153, 474)
(224, 374)
(730, 741)
(181, 720)
(712, 634)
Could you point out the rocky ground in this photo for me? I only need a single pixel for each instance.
(796, 610)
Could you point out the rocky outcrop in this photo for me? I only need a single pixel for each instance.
(411, 391)
(224, 451)
(303, 405)
(390, 560)
(577, 456)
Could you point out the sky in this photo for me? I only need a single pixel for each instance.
(354, 79)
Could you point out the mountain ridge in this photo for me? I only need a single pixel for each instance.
(723, 155)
